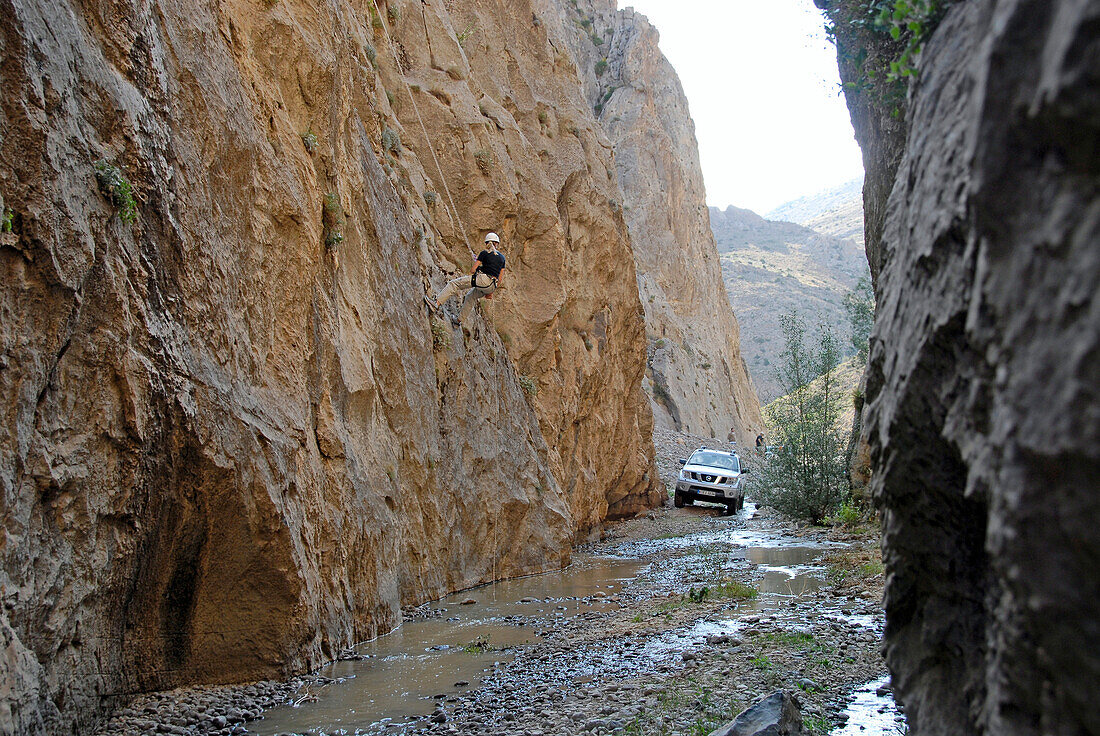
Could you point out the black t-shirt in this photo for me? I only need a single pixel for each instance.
(491, 263)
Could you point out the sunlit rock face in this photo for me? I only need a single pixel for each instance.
(983, 387)
(233, 439)
(697, 377)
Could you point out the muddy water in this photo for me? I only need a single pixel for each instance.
(452, 652)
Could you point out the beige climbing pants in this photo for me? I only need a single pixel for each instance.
(485, 285)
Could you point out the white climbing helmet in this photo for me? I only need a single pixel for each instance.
(492, 238)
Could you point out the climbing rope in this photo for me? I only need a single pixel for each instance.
(452, 210)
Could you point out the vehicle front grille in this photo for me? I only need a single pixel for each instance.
(706, 478)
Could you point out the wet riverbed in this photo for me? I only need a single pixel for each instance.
(405, 678)
(463, 639)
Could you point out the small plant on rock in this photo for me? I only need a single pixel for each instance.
(441, 336)
(484, 161)
(465, 34)
(376, 20)
(332, 217)
(430, 198)
(309, 140)
(698, 596)
(529, 386)
(7, 220)
(478, 645)
(116, 188)
(391, 141)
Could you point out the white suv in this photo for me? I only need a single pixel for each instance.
(714, 476)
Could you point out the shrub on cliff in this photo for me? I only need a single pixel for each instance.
(859, 303)
(806, 478)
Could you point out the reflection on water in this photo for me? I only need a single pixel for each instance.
(871, 714)
(406, 668)
(787, 571)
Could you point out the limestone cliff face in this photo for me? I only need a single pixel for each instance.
(232, 440)
(982, 389)
(697, 376)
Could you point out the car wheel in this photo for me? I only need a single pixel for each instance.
(740, 502)
(731, 509)
(678, 501)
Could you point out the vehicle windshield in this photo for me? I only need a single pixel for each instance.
(716, 460)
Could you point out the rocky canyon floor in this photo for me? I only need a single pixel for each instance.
(671, 624)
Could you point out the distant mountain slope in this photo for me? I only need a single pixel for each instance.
(837, 211)
(771, 268)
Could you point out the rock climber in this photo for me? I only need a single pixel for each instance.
(482, 281)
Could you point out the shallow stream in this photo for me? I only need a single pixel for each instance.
(402, 675)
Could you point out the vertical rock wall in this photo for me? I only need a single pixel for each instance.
(984, 383)
(232, 441)
(698, 379)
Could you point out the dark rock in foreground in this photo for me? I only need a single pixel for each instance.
(984, 383)
(775, 715)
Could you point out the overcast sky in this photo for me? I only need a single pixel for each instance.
(763, 87)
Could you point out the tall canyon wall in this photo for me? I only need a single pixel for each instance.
(697, 377)
(983, 389)
(232, 440)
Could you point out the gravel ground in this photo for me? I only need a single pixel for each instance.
(662, 659)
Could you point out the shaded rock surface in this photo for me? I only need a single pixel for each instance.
(697, 378)
(982, 392)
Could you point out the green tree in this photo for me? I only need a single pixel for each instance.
(806, 478)
(860, 305)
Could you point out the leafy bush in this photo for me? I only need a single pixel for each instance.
(806, 479)
(116, 188)
(911, 21)
(860, 305)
